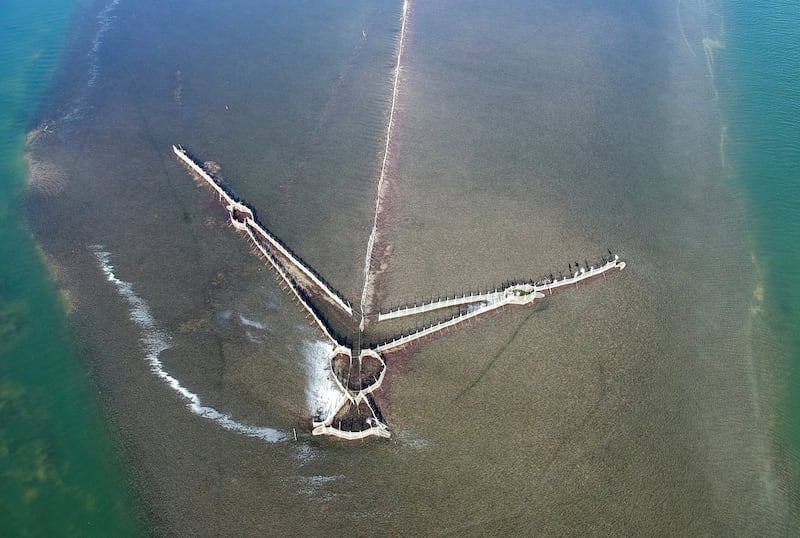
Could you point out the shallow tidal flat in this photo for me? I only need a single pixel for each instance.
(528, 136)
(628, 399)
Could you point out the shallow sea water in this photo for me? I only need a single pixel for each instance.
(59, 471)
(528, 135)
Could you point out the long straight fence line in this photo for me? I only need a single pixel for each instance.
(546, 285)
(297, 263)
(242, 218)
(292, 286)
(506, 299)
(443, 303)
(232, 203)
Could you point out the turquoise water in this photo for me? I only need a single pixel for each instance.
(760, 99)
(59, 474)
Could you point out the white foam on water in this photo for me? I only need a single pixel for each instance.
(323, 397)
(253, 339)
(251, 323)
(305, 453)
(315, 486)
(320, 480)
(105, 21)
(410, 440)
(155, 340)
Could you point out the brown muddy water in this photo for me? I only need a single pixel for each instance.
(528, 135)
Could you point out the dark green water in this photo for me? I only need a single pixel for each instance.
(59, 473)
(759, 81)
